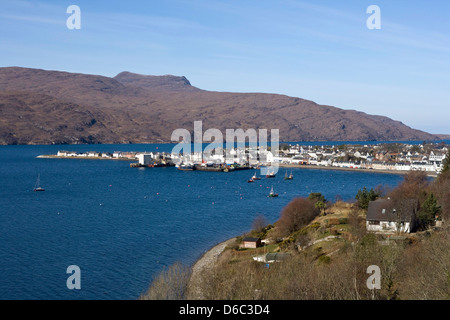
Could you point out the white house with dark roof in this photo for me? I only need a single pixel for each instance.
(388, 215)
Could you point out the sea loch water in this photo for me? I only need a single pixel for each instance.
(122, 225)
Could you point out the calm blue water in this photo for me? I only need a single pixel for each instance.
(121, 225)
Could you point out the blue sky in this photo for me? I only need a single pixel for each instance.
(317, 50)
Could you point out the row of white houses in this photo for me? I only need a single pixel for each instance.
(263, 157)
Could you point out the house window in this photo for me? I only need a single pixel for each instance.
(375, 223)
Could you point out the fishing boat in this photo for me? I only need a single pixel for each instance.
(229, 168)
(37, 186)
(290, 177)
(205, 167)
(185, 167)
(272, 194)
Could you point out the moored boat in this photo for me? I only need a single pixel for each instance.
(270, 175)
(210, 168)
(272, 194)
(37, 186)
(255, 177)
(290, 177)
(186, 167)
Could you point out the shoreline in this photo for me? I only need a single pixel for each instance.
(314, 167)
(432, 174)
(206, 260)
(49, 156)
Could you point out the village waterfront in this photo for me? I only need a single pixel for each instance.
(122, 225)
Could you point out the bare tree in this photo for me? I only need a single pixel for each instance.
(357, 223)
(259, 223)
(298, 213)
(413, 186)
(170, 284)
(425, 269)
(441, 188)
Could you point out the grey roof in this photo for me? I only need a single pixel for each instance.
(277, 256)
(391, 210)
(250, 239)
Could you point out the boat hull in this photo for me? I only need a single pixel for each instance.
(210, 169)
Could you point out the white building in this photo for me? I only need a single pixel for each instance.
(144, 159)
(387, 215)
(92, 154)
(436, 158)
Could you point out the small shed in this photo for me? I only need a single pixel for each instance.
(276, 256)
(249, 242)
(272, 257)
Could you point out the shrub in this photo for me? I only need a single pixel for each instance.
(170, 284)
(297, 214)
(334, 231)
(323, 259)
(315, 225)
(332, 222)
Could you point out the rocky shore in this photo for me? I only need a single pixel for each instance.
(206, 261)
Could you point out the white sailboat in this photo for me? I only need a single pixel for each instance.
(272, 194)
(255, 177)
(37, 186)
(290, 177)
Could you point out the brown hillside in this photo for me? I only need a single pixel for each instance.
(146, 109)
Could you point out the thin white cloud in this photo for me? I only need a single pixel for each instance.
(325, 11)
(400, 35)
(129, 21)
(29, 18)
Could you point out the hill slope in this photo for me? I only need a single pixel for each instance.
(146, 109)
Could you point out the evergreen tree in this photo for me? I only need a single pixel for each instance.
(319, 201)
(364, 196)
(446, 163)
(428, 211)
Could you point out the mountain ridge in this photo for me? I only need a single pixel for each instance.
(136, 108)
(164, 82)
